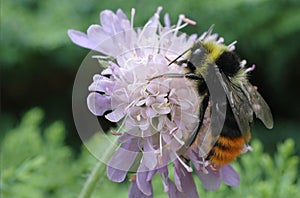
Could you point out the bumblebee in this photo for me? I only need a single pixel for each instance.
(229, 101)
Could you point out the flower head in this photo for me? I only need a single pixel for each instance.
(155, 115)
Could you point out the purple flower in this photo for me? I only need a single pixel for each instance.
(155, 116)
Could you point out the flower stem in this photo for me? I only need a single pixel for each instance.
(96, 173)
(91, 182)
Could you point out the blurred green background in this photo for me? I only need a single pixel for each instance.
(39, 63)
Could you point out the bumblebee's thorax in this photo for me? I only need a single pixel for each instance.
(205, 53)
(227, 61)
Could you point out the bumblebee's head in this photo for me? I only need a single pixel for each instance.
(227, 61)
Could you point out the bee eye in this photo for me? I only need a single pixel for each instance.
(228, 63)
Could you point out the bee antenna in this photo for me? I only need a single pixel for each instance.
(173, 61)
(209, 31)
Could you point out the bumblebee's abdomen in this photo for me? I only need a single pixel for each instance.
(230, 142)
(226, 150)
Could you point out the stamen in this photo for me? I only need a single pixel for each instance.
(189, 21)
(231, 46)
(144, 29)
(188, 168)
(246, 149)
(243, 63)
(115, 133)
(249, 148)
(173, 130)
(250, 69)
(160, 145)
(159, 9)
(132, 17)
(214, 168)
(220, 40)
(203, 164)
(122, 124)
(180, 18)
(178, 140)
(130, 105)
(204, 170)
(178, 26)
(138, 117)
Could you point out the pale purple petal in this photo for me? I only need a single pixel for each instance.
(96, 34)
(153, 23)
(135, 192)
(94, 37)
(229, 176)
(192, 38)
(121, 14)
(115, 175)
(149, 156)
(124, 22)
(151, 175)
(110, 22)
(107, 71)
(143, 182)
(172, 190)
(163, 170)
(174, 193)
(160, 109)
(193, 156)
(150, 112)
(210, 181)
(125, 137)
(122, 160)
(186, 184)
(107, 18)
(102, 84)
(150, 100)
(81, 39)
(98, 104)
(161, 123)
(116, 115)
(177, 181)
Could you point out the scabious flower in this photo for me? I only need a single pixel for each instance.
(156, 115)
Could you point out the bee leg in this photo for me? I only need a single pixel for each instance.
(193, 76)
(190, 76)
(168, 75)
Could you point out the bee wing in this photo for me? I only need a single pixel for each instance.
(212, 117)
(239, 104)
(259, 105)
(206, 137)
(192, 138)
(202, 139)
